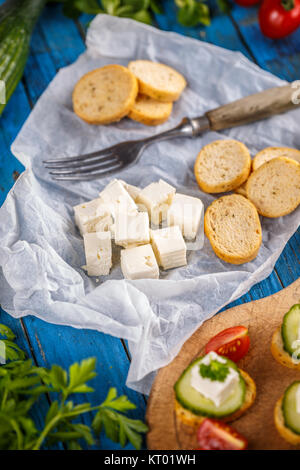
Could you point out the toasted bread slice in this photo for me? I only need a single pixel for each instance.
(241, 190)
(158, 81)
(105, 95)
(269, 153)
(190, 419)
(232, 225)
(284, 431)
(274, 188)
(279, 353)
(222, 166)
(149, 111)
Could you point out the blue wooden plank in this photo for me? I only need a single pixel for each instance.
(221, 32)
(55, 43)
(281, 57)
(11, 121)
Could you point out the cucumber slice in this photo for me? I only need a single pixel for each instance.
(194, 401)
(289, 408)
(290, 327)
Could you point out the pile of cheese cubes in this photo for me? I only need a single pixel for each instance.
(124, 213)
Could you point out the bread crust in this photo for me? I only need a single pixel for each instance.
(119, 74)
(284, 431)
(253, 192)
(267, 154)
(151, 88)
(241, 190)
(188, 418)
(226, 256)
(278, 352)
(142, 113)
(228, 184)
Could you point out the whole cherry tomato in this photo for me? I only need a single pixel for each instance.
(279, 18)
(233, 343)
(247, 3)
(216, 435)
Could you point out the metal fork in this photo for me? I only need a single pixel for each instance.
(117, 157)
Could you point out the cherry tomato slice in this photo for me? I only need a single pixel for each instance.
(233, 343)
(216, 435)
(247, 3)
(279, 18)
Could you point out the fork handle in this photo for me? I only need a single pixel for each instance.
(254, 107)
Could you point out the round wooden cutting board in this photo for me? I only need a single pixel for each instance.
(262, 317)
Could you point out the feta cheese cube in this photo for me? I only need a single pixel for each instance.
(117, 198)
(92, 216)
(187, 213)
(131, 229)
(133, 191)
(139, 263)
(157, 197)
(98, 253)
(169, 247)
(215, 391)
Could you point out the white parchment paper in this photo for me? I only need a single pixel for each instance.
(41, 251)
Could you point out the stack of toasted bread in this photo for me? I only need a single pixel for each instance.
(268, 186)
(144, 91)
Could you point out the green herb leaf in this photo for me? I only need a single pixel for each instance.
(156, 7)
(118, 427)
(91, 7)
(215, 371)
(79, 374)
(117, 403)
(193, 12)
(224, 6)
(70, 10)
(22, 383)
(6, 332)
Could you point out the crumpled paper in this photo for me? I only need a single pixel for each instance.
(41, 252)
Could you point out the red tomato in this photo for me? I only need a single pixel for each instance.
(216, 435)
(279, 18)
(247, 3)
(233, 343)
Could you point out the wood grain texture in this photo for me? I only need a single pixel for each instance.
(281, 57)
(252, 108)
(262, 317)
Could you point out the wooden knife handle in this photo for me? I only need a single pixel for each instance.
(254, 107)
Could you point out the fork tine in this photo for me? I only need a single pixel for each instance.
(108, 159)
(89, 168)
(87, 156)
(88, 175)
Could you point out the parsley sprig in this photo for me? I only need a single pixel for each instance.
(215, 371)
(22, 384)
(190, 12)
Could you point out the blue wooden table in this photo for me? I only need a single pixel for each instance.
(57, 42)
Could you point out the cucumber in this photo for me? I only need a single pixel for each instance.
(290, 327)
(194, 401)
(17, 20)
(289, 408)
